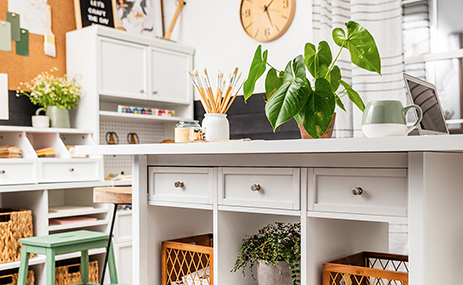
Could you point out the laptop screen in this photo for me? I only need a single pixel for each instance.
(425, 96)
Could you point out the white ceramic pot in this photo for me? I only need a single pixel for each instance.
(216, 127)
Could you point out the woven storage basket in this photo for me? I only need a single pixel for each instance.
(70, 274)
(367, 268)
(14, 225)
(12, 279)
(188, 261)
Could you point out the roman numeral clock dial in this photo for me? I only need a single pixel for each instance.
(266, 20)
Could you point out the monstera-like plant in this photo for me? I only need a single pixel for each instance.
(289, 94)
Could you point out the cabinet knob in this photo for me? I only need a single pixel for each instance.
(155, 92)
(178, 184)
(2, 171)
(71, 169)
(357, 191)
(142, 91)
(256, 187)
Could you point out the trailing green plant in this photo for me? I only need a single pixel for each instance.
(289, 94)
(272, 244)
(48, 90)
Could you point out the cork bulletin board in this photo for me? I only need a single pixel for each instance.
(24, 68)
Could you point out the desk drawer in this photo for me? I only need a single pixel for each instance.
(57, 170)
(383, 191)
(277, 188)
(18, 171)
(181, 184)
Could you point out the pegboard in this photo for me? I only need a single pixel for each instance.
(148, 132)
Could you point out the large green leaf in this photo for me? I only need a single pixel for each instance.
(334, 78)
(317, 62)
(287, 100)
(272, 82)
(319, 109)
(361, 45)
(353, 96)
(258, 67)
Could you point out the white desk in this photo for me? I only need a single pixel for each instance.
(418, 180)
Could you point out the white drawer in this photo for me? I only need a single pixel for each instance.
(277, 188)
(64, 170)
(18, 171)
(123, 229)
(384, 191)
(181, 184)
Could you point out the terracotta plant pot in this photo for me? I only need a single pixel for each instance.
(326, 135)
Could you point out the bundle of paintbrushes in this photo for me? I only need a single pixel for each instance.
(225, 91)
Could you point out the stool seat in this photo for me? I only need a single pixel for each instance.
(113, 195)
(64, 239)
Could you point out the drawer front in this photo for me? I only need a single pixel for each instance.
(51, 170)
(383, 191)
(277, 188)
(123, 230)
(17, 171)
(181, 184)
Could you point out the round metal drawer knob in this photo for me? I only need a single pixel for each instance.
(178, 184)
(155, 92)
(142, 91)
(71, 169)
(256, 187)
(2, 171)
(357, 191)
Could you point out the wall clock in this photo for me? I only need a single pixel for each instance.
(266, 20)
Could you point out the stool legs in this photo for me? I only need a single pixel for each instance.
(84, 270)
(50, 266)
(112, 266)
(24, 266)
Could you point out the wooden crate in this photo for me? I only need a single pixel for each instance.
(188, 261)
(14, 225)
(12, 279)
(367, 268)
(70, 274)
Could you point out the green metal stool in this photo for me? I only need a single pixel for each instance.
(61, 243)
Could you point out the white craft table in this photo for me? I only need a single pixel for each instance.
(188, 189)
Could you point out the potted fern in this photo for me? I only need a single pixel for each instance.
(276, 249)
(289, 94)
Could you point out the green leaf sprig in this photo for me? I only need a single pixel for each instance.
(289, 93)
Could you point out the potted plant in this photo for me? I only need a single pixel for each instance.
(289, 94)
(56, 95)
(276, 246)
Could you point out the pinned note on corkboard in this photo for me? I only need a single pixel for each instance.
(22, 68)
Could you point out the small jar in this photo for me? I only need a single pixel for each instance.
(182, 130)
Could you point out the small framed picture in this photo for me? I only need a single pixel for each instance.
(140, 16)
(91, 12)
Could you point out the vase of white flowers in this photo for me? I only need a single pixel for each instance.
(57, 95)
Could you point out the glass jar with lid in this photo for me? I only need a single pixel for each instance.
(182, 130)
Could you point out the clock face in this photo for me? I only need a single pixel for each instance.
(266, 20)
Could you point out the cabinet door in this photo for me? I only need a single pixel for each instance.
(123, 69)
(169, 80)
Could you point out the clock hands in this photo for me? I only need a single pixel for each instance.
(266, 11)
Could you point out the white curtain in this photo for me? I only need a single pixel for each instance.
(384, 21)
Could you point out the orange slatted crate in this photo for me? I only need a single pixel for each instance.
(188, 261)
(367, 268)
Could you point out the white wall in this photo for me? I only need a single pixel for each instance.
(213, 27)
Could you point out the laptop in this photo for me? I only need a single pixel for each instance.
(424, 94)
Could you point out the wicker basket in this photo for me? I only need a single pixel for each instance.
(14, 225)
(70, 274)
(12, 279)
(367, 268)
(188, 261)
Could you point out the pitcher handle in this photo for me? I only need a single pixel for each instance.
(37, 112)
(420, 116)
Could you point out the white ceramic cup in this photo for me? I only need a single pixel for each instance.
(216, 127)
(40, 121)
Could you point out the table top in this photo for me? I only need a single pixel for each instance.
(448, 143)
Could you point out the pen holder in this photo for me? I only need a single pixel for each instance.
(217, 127)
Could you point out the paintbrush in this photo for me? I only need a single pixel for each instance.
(49, 38)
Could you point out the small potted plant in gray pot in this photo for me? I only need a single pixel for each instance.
(289, 94)
(276, 249)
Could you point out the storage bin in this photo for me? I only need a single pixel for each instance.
(188, 261)
(12, 279)
(367, 268)
(14, 225)
(70, 274)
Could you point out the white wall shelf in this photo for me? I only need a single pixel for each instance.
(55, 228)
(63, 185)
(78, 213)
(139, 117)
